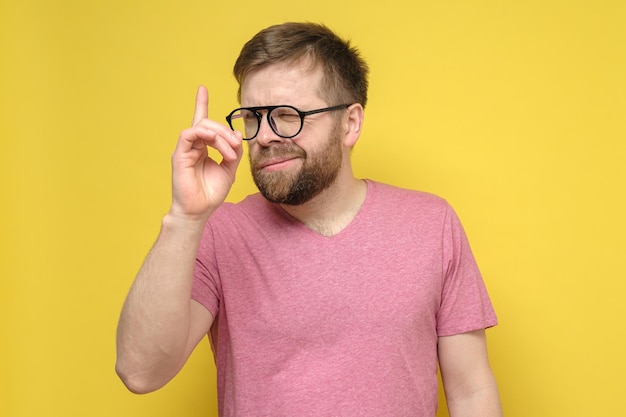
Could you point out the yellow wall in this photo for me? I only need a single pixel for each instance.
(514, 111)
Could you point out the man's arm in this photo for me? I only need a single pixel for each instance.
(469, 384)
(160, 324)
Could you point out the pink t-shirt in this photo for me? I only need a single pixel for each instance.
(307, 325)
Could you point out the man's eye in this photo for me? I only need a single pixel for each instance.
(286, 115)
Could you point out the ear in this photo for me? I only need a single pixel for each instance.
(353, 125)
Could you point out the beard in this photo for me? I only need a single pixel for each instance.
(318, 172)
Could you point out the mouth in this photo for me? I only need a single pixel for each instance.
(275, 164)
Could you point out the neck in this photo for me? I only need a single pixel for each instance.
(333, 209)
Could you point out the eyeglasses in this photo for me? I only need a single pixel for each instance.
(285, 121)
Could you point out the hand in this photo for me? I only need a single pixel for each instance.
(199, 183)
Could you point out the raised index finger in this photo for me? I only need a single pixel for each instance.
(202, 105)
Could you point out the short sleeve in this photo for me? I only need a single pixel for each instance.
(465, 303)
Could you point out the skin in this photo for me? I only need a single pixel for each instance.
(160, 324)
(333, 209)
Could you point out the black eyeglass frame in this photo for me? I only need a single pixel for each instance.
(270, 109)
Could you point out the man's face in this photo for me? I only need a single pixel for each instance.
(292, 171)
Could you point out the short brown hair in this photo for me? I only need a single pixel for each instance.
(345, 72)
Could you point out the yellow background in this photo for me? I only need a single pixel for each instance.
(513, 111)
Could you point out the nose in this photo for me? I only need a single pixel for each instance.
(266, 134)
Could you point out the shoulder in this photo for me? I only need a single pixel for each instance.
(234, 224)
(252, 213)
(398, 199)
(253, 203)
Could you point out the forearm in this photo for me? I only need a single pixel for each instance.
(153, 331)
(469, 383)
(482, 402)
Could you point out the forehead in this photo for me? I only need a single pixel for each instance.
(295, 84)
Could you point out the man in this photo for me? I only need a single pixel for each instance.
(323, 295)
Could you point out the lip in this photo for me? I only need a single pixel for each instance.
(276, 163)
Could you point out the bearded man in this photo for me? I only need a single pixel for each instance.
(323, 294)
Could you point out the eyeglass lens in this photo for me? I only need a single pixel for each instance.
(285, 122)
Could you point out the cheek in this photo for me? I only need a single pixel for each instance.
(253, 151)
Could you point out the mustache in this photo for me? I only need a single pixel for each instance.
(289, 150)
